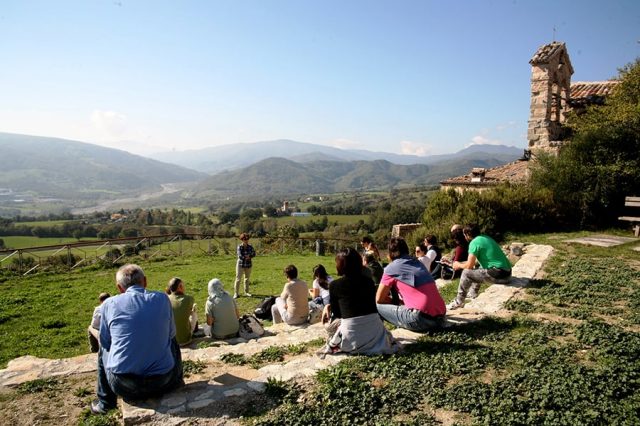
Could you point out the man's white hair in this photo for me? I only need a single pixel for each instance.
(129, 275)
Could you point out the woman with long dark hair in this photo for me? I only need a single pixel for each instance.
(320, 288)
(352, 311)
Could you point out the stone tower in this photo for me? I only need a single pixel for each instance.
(551, 72)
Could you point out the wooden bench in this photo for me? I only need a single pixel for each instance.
(635, 221)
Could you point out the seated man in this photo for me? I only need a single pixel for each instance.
(291, 307)
(494, 265)
(139, 356)
(423, 307)
(185, 314)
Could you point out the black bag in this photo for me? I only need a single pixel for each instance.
(263, 310)
(250, 327)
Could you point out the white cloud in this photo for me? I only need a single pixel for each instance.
(415, 148)
(112, 124)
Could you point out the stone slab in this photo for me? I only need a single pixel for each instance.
(602, 240)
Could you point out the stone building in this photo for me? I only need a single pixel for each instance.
(552, 97)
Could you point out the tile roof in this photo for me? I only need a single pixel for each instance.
(514, 172)
(546, 52)
(583, 89)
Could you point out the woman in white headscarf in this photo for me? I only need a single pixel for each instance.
(222, 312)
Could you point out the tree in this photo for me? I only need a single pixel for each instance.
(601, 165)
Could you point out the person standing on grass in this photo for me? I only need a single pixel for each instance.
(291, 307)
(421, 308)
(184, 311)
(139, 355)
(245, 253)
(494, 265)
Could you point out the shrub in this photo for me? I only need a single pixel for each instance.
(506, 208)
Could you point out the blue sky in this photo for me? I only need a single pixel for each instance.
(416, 77)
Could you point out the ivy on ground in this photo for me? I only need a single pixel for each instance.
(515, 371)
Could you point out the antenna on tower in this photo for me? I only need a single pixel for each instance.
(554, 33)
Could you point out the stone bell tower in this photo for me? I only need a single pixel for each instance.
(551, 72)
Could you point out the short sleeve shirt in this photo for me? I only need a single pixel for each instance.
(488, 253)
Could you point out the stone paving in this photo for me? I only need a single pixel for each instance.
(184, 404)
(602, 240)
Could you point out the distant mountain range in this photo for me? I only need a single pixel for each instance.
(75, 170)
(80, 173)
(280, 176)
(234, 156)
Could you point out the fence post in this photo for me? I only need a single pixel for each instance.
(69, 258)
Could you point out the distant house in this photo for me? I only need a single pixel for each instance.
(301, 214)
(552, 97)
(117, 217)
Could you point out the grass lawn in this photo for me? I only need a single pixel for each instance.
(47, 314)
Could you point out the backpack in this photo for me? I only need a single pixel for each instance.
(263, 310)
(315, 313)
(250, 327)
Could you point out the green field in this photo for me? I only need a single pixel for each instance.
(18, 242)
(45, 223)
(47, 314)
(341, 219)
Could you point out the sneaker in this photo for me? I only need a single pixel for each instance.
(248, 294)
(97, 408)
(235, 295)
(472, 294)
(455, 305)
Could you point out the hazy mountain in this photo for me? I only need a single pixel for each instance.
(280, 176)
(75, 170)
(233, 156)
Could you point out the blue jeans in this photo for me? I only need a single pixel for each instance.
(132, 386)
(411, 319)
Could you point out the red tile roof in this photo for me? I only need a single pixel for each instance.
(583, 89)
(515, 172)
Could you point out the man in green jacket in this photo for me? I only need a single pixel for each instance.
(494, 265)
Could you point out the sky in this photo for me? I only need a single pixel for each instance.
(418, 77)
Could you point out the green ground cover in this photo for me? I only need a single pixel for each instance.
(568, 355)
(47, 314)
